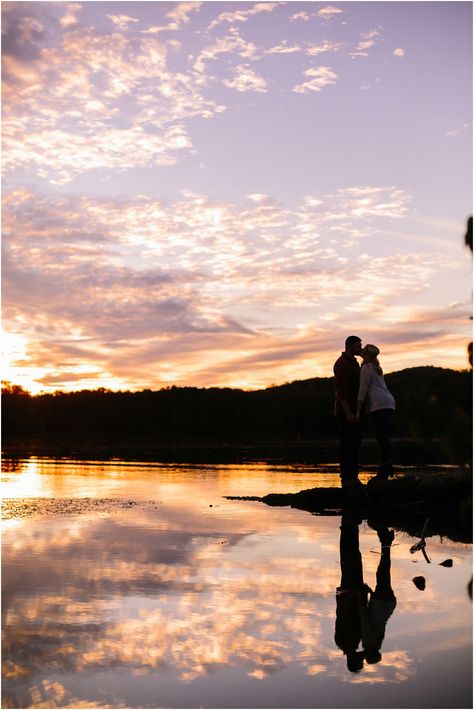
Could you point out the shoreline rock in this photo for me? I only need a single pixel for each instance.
(404, 502)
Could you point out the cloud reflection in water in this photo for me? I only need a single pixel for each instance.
(183, 590)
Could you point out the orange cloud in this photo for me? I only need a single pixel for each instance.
(251, 288)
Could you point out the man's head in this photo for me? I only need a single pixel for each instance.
(353, 345)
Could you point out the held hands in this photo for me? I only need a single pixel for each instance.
(350, 417)
(363, 594)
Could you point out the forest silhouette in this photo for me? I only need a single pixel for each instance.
(432, 423)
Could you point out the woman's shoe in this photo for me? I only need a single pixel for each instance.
(352, 484)
(385, 536)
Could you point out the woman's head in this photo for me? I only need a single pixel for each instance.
(370, 354)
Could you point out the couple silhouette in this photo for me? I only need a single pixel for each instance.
(362, 614)
(360, 391)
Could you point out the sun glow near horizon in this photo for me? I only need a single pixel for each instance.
(454, 357)
(207, 198)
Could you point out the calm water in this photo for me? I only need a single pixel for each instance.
(138, 585)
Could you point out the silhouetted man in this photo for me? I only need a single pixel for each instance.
(358, 620)
(346, 385)
(348, 631)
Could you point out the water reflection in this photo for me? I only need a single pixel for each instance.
(184, 599)
(362, 613)
(13, 464)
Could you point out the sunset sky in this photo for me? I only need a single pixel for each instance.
(218, 193)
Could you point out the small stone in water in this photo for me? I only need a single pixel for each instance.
(419, 582)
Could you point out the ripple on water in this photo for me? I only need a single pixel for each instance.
(30, 507)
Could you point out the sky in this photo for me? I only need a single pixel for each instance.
(219, 193)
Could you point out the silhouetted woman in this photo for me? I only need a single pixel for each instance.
(380, 404)
(375, 613)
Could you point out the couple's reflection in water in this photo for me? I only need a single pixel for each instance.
(362, 614)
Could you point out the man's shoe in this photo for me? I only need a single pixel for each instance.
(351, 516)
(384, 472)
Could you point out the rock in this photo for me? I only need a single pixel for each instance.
(446, 563)
(419, 582)
(443, 497)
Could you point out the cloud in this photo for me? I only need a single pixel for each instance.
(230, 44)
(245, 79)
(25, 30)
(325, 46)
(367, 40)
(181, 290)
(109, 148)
(122, 22)
(319, 77)
(238, 294)
(328, 12)
(70, 17)
(456, 131)
(57, 124)
(304, 16)
(258, 197)
(243, 15)
(367, 201)
(284, 48)
(311, 50)
(325, 13)
(399, 52)
(178, 16)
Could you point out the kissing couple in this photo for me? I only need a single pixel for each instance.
(361, 389)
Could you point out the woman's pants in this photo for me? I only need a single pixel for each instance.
(383, 428)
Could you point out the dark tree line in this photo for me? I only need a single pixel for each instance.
(433, 404)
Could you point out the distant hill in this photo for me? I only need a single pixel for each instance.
(433, 404)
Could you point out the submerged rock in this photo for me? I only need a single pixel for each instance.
(419, 582)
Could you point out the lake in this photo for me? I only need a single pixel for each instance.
(138, 585)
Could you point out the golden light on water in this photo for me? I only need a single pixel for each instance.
(28, 482)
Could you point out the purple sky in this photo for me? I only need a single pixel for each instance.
(219, 193)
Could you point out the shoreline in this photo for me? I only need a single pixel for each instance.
(408, 501)
(415, 452)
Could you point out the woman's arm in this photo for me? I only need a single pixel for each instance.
(365, 375)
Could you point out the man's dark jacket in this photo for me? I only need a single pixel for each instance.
(346, 382)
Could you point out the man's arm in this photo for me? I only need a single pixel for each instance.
(342, 389)
(347, 410)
